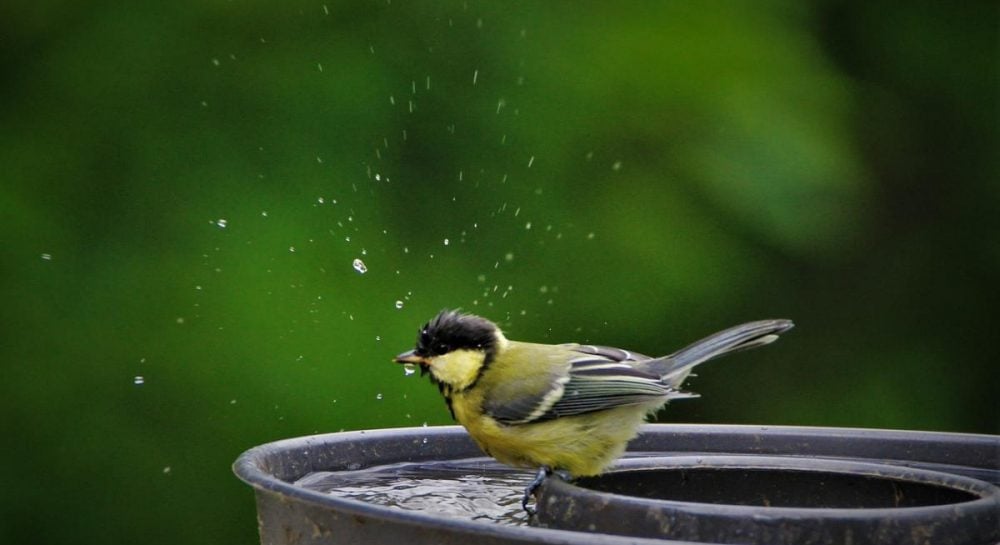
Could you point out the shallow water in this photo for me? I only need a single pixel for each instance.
(469, 489)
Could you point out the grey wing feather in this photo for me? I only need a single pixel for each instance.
(595, 382)
(585, 395)
(521, 410)
(609, 352)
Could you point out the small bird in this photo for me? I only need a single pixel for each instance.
(567, 408)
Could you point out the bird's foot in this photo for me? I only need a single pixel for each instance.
(543, 473)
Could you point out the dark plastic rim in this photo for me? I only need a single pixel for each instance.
(972, 455)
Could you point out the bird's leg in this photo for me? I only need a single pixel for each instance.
(543, 472)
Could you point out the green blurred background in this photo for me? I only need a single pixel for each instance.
(186, 186)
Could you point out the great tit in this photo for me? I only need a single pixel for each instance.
(570, 408)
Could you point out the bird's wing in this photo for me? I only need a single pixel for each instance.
(593, 382)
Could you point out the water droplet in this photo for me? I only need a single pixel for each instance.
(399, 304)
(263, 213)
(222, 223)
(527, 226)
(378, 337)
(360, 266)
(47, 257)
(166, 470)
(445, 242)
(377, 177)
(590, 236)
(320, 200)
(378, 396)
(139, 379)
(291, 248)
(409, 369)
(509, 256)
(232, 402)
(616, 166)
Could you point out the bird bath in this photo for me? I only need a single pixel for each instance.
(685, 483)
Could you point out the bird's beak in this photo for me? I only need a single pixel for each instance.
(410, 356)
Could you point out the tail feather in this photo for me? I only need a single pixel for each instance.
(675, 368)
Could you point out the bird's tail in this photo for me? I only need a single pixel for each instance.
(676, 367)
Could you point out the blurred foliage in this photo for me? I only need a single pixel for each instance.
(187, 185)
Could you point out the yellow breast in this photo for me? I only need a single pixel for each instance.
(583, 444)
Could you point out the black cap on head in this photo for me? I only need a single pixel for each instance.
(451, 330)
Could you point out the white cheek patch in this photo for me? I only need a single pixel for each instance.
(457, 369)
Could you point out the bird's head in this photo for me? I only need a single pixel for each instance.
(455, 348)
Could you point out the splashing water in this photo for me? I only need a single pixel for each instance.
(476, 489)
